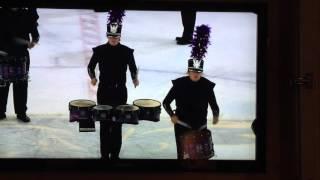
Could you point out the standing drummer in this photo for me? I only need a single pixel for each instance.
(192, 93)
(113, 59)
(18, 25)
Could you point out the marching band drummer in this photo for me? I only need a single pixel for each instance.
(18, 25)
(113, 59)
(192, 93)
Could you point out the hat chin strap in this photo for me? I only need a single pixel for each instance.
(113, 34)
(195, 70)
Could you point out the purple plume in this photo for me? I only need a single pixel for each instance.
(116, 16)
(200, 41)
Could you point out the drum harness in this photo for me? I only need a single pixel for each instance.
(188, 126)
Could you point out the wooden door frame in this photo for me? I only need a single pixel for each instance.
(310, 97)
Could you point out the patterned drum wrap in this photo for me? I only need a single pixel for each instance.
(128, 114)
(102, 113)
(13, 69)
(81, 111)
(197, 144)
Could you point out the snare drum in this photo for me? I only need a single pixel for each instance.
(13, 68)
(197, 144)
(102, 113)
(81, 111)
(128, 114)
(149, 109)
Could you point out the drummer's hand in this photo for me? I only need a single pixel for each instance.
(93, 81)
(174, 119)
(215, 120)
(135, 82)
(31, 45)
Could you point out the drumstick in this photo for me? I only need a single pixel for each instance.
(3, 53)
(184, 124)
(188, 126)
(203, 127)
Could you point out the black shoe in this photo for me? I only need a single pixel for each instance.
(23, 117)
(183, 41)
(178, 38)
(2, 116)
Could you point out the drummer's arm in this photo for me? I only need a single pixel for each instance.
(34, 27)
(133, 69)
(35, 33)
(214, 107)
(168, 100)
(92, 65)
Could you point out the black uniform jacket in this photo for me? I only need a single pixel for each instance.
(192, 99)
(113, 62)
(16, 29)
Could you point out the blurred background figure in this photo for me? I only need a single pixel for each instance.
(188, 21)
(17, 26)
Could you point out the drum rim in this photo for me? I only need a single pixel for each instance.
(145, 106)
(70, 103)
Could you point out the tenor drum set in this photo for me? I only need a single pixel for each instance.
(86, 112)
(195, 144)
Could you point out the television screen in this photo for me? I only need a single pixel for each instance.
(58, 79)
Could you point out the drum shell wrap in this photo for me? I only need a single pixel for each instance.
(197, 144)
(78, 113)
(126, 116)
(102, 114)
(13, 69)
(148, 113)
(81, 111)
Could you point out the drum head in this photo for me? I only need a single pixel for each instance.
(102, 107)
(127, 108)
(146, 103)
(82, 103)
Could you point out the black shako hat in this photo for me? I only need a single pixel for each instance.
(114, 24)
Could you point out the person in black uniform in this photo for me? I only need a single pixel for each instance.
(192, 94)
(188, 21)
(113, 59)
(19, 24)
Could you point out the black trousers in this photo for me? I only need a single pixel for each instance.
(188, 21)
(111, 133)
(20, 93)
